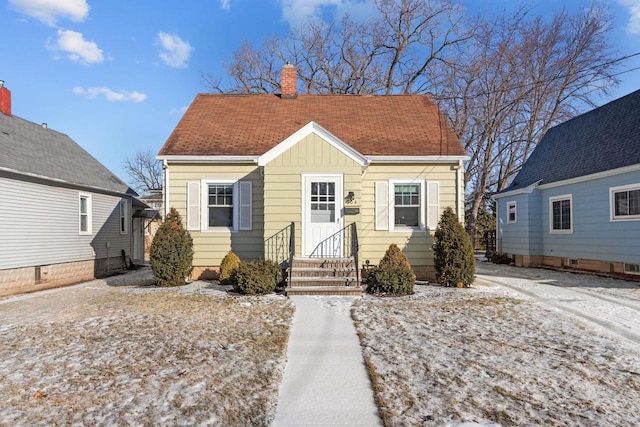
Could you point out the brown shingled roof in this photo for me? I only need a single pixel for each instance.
(378, 125)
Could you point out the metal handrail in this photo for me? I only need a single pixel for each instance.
(344, 242)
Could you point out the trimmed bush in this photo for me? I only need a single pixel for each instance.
(257, 277)
(452, 251)
(228, 266)
(393, 276)
(172, 252)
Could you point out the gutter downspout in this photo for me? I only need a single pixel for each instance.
(165, 185)
(459, 192)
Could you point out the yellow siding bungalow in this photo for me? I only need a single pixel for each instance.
(318, 176)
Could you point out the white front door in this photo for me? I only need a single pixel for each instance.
(322, 215)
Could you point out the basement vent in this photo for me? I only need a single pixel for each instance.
(573, 262)
(632, 268)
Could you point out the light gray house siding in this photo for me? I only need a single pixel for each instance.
(41, 225)
(595, 236)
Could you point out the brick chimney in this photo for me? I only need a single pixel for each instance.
(5, 99)
(288, 80)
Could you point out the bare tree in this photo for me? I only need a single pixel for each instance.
(390, 53)
(522, 77)
(145, 172)
(503, 81)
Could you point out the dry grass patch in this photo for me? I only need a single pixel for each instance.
(145, 359)
(448, 355)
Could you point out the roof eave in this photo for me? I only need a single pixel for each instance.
(525, 190)
(62, 182)
(208, 159)
(417, 159)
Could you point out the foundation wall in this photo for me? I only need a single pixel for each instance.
(29, 279)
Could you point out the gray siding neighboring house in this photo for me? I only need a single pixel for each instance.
(576, 201)
(64, 216)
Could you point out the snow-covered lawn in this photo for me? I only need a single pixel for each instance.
(98, 355)
(483, 355)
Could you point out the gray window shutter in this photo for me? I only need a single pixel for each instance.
(382, 205)
(433, 205)
(193, 205)
(246, 211)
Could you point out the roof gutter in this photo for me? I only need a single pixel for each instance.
(417, 159)
(62, 182)
(208, 159)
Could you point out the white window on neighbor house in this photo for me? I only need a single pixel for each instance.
(85, 214)
(511, 213)
(560, 214)
(625, 202)
(406, 205)
(123, 216)
(219, 205)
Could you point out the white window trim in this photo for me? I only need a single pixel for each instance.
(204, 205)
(612, 203)
(555, 199)
(392, 205)
(515, 207)
(123, 213)
(89, 215)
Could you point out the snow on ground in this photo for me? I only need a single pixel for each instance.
(490, 355)
(100, 355)
(525, 347)
(610, 304)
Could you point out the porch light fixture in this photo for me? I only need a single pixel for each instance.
(351, 197)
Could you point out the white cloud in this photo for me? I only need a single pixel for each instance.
(49, 11)
(633, 26)
(110, 95)
(77, 48)
(296, 12)
(175, 51)
(225, 4)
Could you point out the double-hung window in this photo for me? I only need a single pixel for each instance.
(560, 214)
(123, 216)
(85, 214)
(406, 204)
(511, 213)
(625, 202)
(219, 205)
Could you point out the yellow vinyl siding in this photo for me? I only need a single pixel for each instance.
(211, 247)
(283, 182)
(416, 244)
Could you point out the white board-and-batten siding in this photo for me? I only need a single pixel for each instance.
(41, 225)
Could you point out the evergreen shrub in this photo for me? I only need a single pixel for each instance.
(257, 277)
(228, 266)
(452, 251)
(172, 252)
(393, 276)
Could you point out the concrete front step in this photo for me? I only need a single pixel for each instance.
(321, 281)
(323, 272)
(323, 263)
(355, 291)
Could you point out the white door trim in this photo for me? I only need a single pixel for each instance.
(305, 177)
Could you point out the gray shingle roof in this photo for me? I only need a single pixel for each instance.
(603, 139)
(29, 148)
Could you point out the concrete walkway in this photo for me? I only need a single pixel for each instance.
(325, 381)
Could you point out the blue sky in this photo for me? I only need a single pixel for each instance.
(117, 75)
